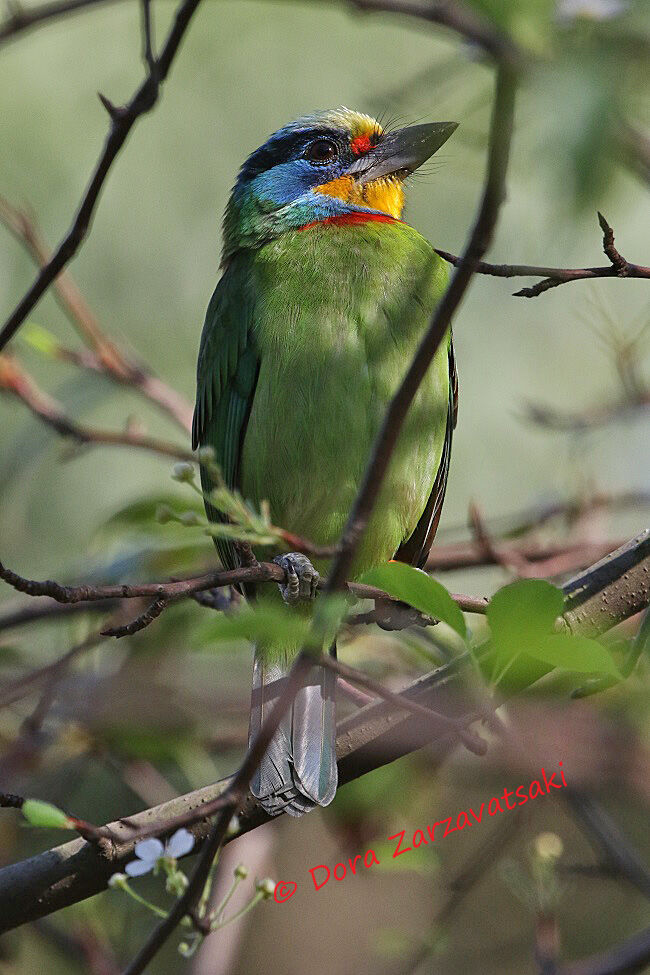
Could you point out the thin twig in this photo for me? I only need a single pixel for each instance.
(122, 122)
(103, 355)
(555, 276)
(370, 738)
(16, 382)
(493, 194)
(472, 742)
(458, 17)
(20, 19)
(150, 614)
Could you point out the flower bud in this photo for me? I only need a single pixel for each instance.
(183, 471)
(548, 846)
(206, 455)
(118, 881)
(265, 887)
(241, 871)
(190, 518)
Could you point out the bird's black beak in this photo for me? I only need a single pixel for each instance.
(401, 152)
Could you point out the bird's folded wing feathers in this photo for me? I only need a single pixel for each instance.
(226, 378)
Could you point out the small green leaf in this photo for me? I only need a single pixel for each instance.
(41, 340)
(269, 624)
(329, 613)
(44, 814)
(522, 612)
(577, 653)
(415, 587)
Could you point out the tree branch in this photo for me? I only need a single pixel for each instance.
(619, 267)
(20, 20)
(16, 382)
(122, 121)
(103, 355)
(458, 17)
(373, 736)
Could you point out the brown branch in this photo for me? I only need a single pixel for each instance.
(20, 19)
(472, 742)
(103, 356)
(165, 592)
(543, 559)
(122, 122)
(150, 614)
(555, 276)
(458, 17)
(570, 509)
(588, 419)
(16, 382)
(371, 737)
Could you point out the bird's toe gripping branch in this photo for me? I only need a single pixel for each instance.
(302, 578)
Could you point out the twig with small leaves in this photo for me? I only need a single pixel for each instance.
(165, 593)
(368, 739)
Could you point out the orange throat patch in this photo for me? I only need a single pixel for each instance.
(385, 194)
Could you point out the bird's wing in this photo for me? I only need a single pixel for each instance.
(415, 550)
(227, 373)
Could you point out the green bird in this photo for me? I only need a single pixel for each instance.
(324, 296)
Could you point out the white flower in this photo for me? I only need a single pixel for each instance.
(149, 852)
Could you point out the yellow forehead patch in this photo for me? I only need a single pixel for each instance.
(356, 123)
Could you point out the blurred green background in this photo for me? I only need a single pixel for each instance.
(148, 269)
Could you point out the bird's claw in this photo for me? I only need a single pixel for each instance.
(301, 578)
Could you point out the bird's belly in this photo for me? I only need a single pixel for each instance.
(316, 413)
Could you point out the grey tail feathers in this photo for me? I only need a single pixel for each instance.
(298, 771)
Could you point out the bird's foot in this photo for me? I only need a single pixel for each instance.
(301, 578)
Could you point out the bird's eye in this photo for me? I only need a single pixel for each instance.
(321, 151)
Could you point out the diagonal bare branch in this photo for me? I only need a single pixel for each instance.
(122, 121)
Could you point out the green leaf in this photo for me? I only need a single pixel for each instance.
(268, 623)
(415, 587)
(40, 339)
(522, 612)
(329, 613)
(577, 653)
(44, 814)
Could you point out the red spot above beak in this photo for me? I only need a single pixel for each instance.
(361, 144)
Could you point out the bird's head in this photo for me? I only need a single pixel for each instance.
(325, 165)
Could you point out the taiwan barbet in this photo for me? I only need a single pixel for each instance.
(324, 296)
